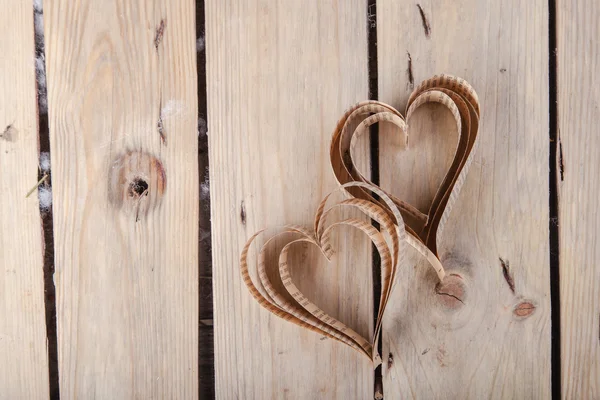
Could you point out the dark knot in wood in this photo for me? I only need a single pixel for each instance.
(137, 182)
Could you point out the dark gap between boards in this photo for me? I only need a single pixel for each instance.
(553, 203)
(206, 374)
(374, 164)
(44, 192)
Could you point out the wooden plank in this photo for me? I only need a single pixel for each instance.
(478, 347)
(23, 357)
(578, 66)
(122, 116)
(279, 75)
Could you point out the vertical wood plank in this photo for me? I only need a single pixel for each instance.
(122, 117)
(481, 346)
(578, 66)
(23, 356)
(279, 75)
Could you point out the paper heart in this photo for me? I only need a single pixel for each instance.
(301, 310)
(423, 230)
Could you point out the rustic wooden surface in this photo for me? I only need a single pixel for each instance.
(476, 346)
(23, 357)
(123, 108)
(279, 75)
(134, 273)
(578, 63)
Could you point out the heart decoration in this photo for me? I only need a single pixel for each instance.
(395, 217)
(424, 230)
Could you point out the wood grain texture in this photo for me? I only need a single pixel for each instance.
(279, 75)
(578, 67)
(480, 346)
(122, 117)
(23, 357)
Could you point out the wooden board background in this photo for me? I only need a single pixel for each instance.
(480, 349)
(23, 357)
(279, 75)
(127, 286)
(578, 65)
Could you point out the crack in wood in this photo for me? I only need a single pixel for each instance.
(507, 275)
(161, 130)
(450, 289)
(160, 31)
(409, 72)
(561, 166)
(159, 124)
(425, 21)
(448, 294)
(243, 213)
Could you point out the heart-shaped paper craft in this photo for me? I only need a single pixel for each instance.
(424, 230)
(301, 310)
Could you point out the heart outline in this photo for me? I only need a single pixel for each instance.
(425, 230)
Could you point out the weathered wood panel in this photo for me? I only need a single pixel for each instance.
(122, 114)
(23, 357)
(578, 67)
(480, 346)
(279, 75)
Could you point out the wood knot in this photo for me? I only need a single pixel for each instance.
(451, 291)
(524, 309)
(136, 183)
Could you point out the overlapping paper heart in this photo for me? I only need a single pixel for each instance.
(399, 222)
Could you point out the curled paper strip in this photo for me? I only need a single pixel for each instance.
(400, 223)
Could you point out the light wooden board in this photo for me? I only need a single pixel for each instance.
(480, 349)
(578, 66)
(279, 75)
(23, 356)
(126, 265)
